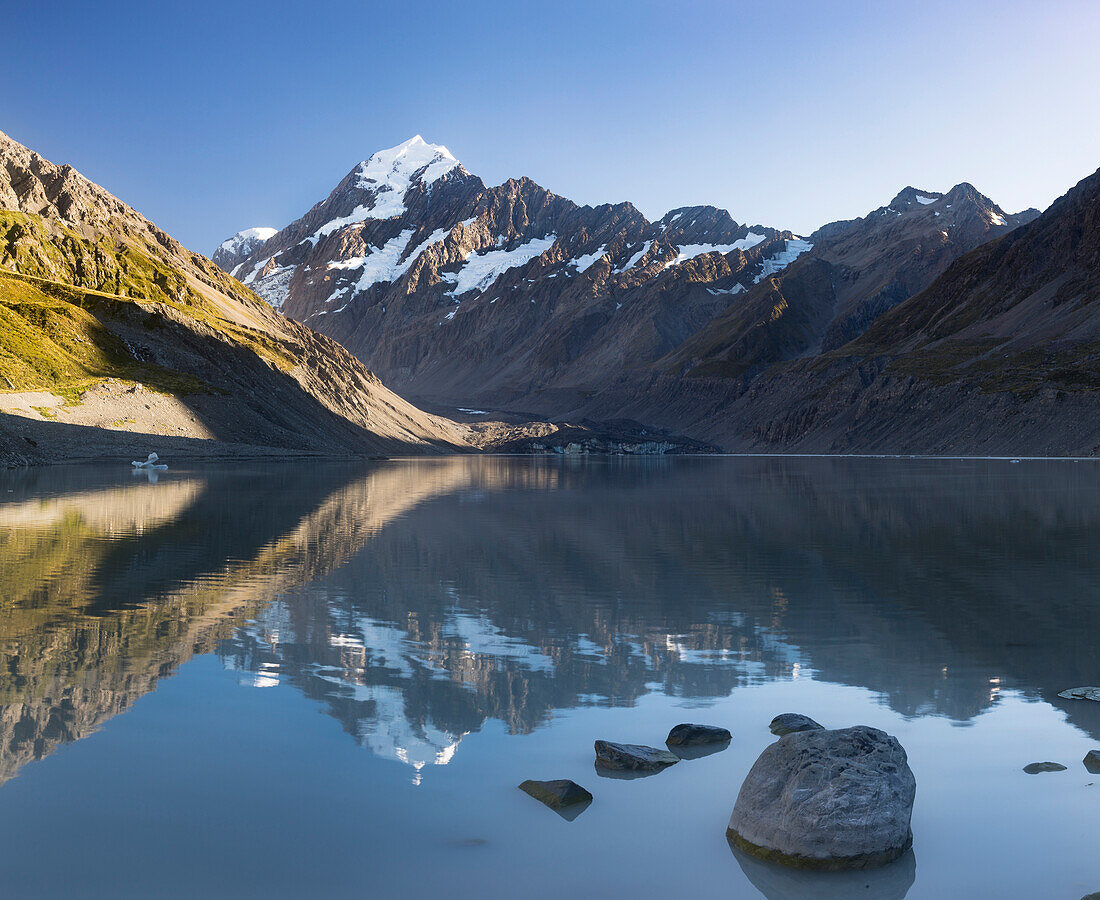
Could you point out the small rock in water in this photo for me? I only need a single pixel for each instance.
(1081, 693)
(790, 723)
(1039, 767)
(633, 757)
(827, 799)
(556, 794)
(1092, 761)
(693, 735)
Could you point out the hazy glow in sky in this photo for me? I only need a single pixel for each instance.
(215, 116)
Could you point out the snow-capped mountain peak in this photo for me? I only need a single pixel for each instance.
(244, 243)
(395, 169)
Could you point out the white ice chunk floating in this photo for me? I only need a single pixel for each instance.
(150, 463)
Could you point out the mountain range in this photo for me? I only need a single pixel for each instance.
(514, 300)
(938, 323)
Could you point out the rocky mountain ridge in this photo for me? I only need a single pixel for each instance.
(514, 298)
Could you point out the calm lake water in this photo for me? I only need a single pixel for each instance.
(312, 681)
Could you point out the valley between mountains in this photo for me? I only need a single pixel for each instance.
(418, 310)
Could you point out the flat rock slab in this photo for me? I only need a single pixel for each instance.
(1037, 768)
(556, 794)
(827, 799)
(697, 735)
(1092, 761)
(1081, 693)
(633, 757)
(791, 723)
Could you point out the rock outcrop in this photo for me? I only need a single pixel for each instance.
(697, 735)
(789, 723)
(558, 794)
(633, 757)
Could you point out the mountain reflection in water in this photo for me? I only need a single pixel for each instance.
(417, 600)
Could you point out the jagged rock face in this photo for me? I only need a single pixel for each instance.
(461, 293)
(243, 244)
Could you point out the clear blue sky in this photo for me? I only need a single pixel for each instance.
(214, 116)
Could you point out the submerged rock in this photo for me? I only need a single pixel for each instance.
(1092, 761)
(556, 794)
(1036, 768)
(633, 757)
(1081, 693)
(791, 723)
(827, 799)
(695, 735)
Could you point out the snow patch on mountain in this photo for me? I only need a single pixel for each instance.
(690, 251)
(481, 270)
(633, 261)
(585, 262)
(380, 264)
(926, 200)
(793, 249)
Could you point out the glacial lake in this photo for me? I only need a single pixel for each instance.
(303, 680)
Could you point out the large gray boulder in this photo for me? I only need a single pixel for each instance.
(827, 799)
